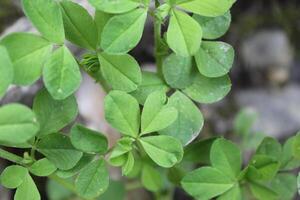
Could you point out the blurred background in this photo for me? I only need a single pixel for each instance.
(266, 79)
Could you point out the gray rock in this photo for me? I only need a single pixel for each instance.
(278, 110)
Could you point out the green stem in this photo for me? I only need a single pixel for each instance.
(158, 43)
(11, 157)
(133, 186)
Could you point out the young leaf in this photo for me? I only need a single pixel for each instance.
(6, 70)
(164, 150)
(119, 155)
(262, 192)
(18, 124)
(214, 59)
(156, 115)
(59, 150)
(80, 27)
(123, 32)
(129, 164)
(178, 71)
(214, 27)
(122, 111)
(93, 180)
(116, 6)
(46, 17)
(151, 82)
(52, 114)
(206, 183)
(209, 8)
(84, 161)
(28, 53)
(122, 72)
(263, 167)
(151, 178)
(285, 185)
(189, 122)
(88, 140)
(13, 176)
(226, 156)
(208, 90)
(27, 190)
(184, 34)
(61, 74)
(42, 167)
(270, 147)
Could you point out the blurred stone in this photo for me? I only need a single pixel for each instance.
(278, 110)
(268, 51)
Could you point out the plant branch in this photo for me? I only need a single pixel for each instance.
(158, 43)
(11, 157)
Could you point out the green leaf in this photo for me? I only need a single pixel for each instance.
(262, 167)
(209, 8)
(13, 176)
(298, 183)
(122, 72)
(233, 194)
(115, 191)
(164, 150)
(52, 114)
(59, 150)
(178, 71)
(129, 164)
(151, 178)
(288, 161)
(214, 27)
(296, 146)
(88, 140)
(42, 167)
(122, 111)
(214, 59)
(27, 190)
(123, 32)
(6, 71)
(93, 180)
(226, 156)
(84, 161)
(189, 122)
(208, 90)
(156, 114)
(285, 185)
(101, 19)
(206, 183)
(116, 6)
(262, 192)
(80, 27)
(28, 53)
(46, 17)
(118, 157)
(199, 151)
(244, 121)
(56, 192)
(151, 82)
(184, 34)
(61, 74)
(18, 124)
(270, 147)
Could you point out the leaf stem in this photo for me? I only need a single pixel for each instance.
(133, 186)
(11, 157)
